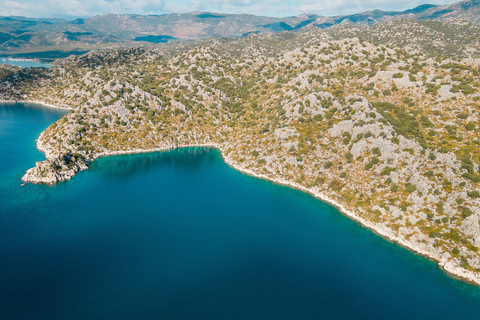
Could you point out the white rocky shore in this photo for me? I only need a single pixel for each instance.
(452, 267)
(392, 140)
(448, 265)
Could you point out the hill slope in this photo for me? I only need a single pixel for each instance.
(389, 134)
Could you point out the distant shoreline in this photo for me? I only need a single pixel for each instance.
(34, 102)
(6, 60)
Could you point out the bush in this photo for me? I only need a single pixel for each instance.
(373, 162)
(455, 251)
(470, 126)
(429, 173)
(398, 75)
(454, 235)
(386, 171)
(328, 165)
(349, 157)
(336, 185)
(462, 115)
(466, 212)
(472, 177)
(410, 187)
(394, 187)
(439, 207)
(473, 194)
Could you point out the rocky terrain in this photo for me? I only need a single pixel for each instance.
(390, 134)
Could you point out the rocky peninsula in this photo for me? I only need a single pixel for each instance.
(387, 134)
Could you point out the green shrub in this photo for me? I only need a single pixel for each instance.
(386, 171)
(398, 75)
(470, 126)
(454, 235)
(429, 173)
(466, 212)
(471, 176)
(349, 157)
(439, 208)
(473, 194)
(410, 187)
(394, 187)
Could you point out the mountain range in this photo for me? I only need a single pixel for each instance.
(53, 37)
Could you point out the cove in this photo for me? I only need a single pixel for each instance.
(181, 235)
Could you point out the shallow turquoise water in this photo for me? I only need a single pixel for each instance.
(181, 235)
(25, 64)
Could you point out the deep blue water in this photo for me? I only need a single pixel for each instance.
(181, 235)
(25, 64)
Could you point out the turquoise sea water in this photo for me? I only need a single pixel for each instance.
(25, 64)
(181, 235)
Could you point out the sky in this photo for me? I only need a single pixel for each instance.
(276, 8)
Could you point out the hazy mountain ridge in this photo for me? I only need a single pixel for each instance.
(20, 34)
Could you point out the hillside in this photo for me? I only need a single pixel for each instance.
(390, 134)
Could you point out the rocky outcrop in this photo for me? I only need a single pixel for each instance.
(51, 171)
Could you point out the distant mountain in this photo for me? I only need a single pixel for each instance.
(468, 10)
(20, 35)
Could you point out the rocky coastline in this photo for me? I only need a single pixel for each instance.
(390, 139)
(52, 177)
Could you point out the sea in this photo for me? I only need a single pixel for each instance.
(24, 63)
(181, 235)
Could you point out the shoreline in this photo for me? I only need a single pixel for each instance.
(34, 102)
(447, 266)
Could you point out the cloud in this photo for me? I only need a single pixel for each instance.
(84, 8)
(78, 8)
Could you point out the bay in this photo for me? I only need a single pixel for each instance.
(181, 235)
